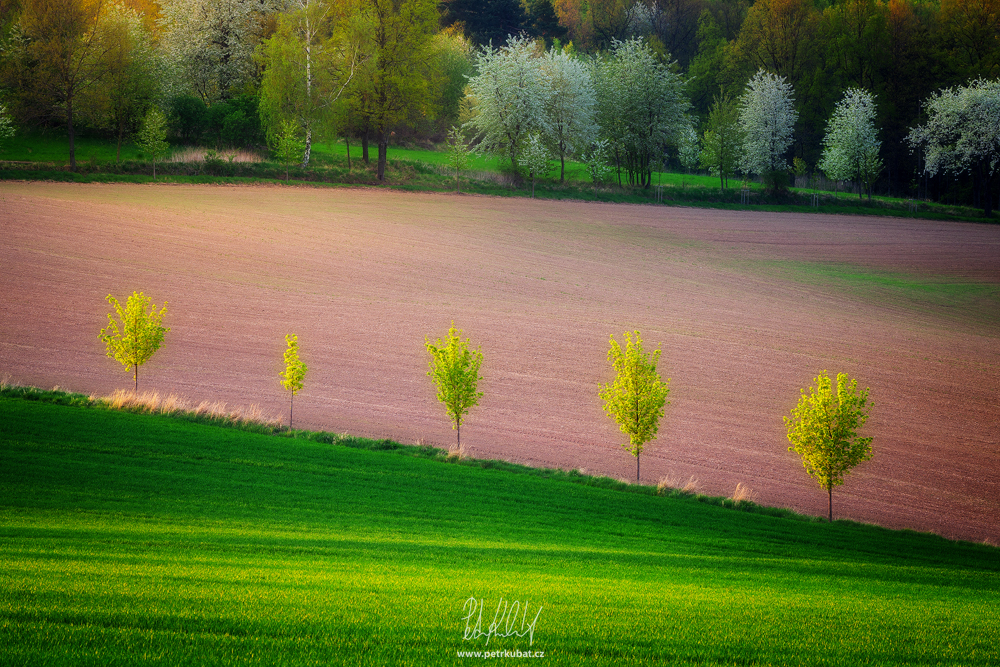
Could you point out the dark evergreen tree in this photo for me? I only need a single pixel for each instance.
(543, 22)
(486, 21)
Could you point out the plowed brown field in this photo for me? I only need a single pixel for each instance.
(747, 306)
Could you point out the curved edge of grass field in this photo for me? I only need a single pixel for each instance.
(58, 396)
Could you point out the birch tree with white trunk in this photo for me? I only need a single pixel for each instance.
(308, 62)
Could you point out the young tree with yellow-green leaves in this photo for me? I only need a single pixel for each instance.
(294, 374)
(138, 335)
(823, 430)
(288, 145)
(635, 400)
(152, 136)
(455, 372)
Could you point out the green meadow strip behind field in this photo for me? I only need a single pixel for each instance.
(142, 539)
(44, 156)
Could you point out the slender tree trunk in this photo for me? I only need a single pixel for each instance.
(383, 149)
(458, 432)
(136, 378)
(562, 168)
(308, 35)
(988, 195)
(636, 468)
(291, 408)
(347, 140)
(830, 491)
(72, 133)
(364, 147)
(532, 186)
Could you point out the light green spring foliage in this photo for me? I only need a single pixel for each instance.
(823, 429)
(723, 139)
(152, 136)
(459, 153)
(455, 372)
(289, 146)
(295, 369)
(635, 400)
(139, 334)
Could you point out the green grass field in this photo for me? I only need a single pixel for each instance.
(44, 155)
(140, 539)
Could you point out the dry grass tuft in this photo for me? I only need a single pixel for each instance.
(173, 404)
(457, 453)
(662, 486)
(195, 154)
(669, 482)
(743, 493)
(150, 402)
(120, 399)
(691, 486)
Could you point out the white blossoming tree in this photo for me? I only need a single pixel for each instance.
(511, 93)
(6, 124)
(962, 134)
(210, 44)
(768, 116)
(570, 107)
(641, 108)
(687, 146)
(851, 145)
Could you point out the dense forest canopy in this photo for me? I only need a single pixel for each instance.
(230, 72)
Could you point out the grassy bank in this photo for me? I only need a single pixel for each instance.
(40, 156)
(138, 539)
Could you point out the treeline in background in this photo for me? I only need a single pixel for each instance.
(239, 73)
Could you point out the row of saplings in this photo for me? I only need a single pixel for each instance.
(822, 428)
